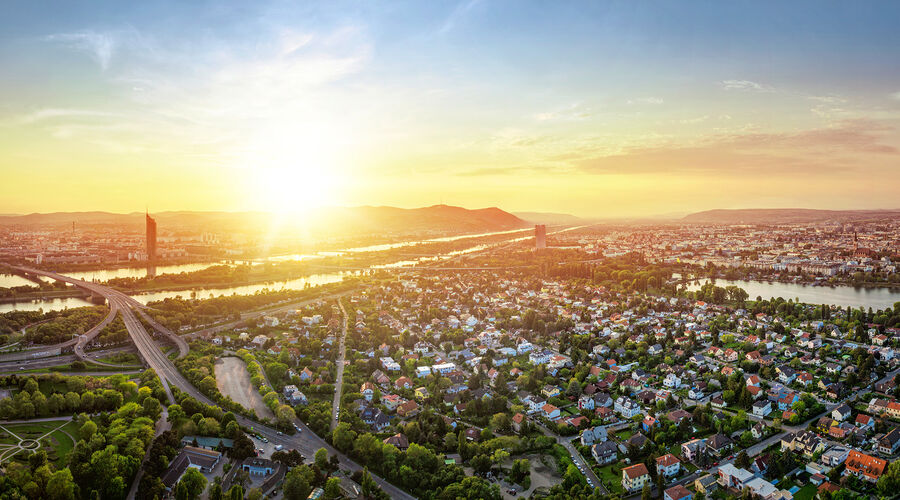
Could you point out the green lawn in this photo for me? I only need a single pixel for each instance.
(57, 444)
(806, 493)
(611, 475)
(624, 434)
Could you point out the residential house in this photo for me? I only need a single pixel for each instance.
(677, 492)
(888, 443)
(864, 466)
(593, 435)
(626, 407)
(719, 444)
(668, 465)
(605, 452)
(634, 477)
(693, 449)
(733, 477)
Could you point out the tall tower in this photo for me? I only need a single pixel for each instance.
(540, 236)
(151, 239)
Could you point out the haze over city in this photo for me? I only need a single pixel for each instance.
(611, 109)
(449, 250)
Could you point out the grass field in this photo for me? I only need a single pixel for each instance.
(806, 493)
(611, 475)
(54, 438)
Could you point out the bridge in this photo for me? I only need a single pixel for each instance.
(306, 442)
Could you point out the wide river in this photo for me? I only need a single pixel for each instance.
(293, 284)
(876, 298)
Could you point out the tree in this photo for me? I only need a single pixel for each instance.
(645, 492)
(481, 463)
(254, 494)
(193, 483)
(296, 485)
(343, 437)
(742, 460)
(236, 492)
(61, 486)
(322, 459)
(890, 481)
(333, 487)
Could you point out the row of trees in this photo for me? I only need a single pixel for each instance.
(106, 456)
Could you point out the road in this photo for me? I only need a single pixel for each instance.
(13, 366)
(306, 442)
(339, 381)
(576, 456)
(263, 312)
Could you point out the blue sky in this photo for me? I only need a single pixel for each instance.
(619, 108)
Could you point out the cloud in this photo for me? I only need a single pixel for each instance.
(807, 152)
(572, 112)
(99, 46)
(458, 13)
(64, 113)
(745, 85)
(896, 95)
(646, 100)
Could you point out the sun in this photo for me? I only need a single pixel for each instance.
(293, 173)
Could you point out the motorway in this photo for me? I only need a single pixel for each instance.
(31, 364)
(339, 382)
(306, 442)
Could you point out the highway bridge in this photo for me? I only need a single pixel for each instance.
(306, 441)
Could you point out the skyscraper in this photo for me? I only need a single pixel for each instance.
(540, 236)
(151, 239)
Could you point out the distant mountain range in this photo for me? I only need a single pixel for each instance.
(549, 218)
(437, 218)
(786, 216)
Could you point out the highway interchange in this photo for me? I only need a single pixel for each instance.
(306, 442)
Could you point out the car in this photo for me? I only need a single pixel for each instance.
(280, 433)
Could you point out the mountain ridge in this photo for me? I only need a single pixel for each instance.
(365, 218)
(785, 215)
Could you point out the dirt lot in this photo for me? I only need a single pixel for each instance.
(233, 379)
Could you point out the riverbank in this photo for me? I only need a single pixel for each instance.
(843, 296)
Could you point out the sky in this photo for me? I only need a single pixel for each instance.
(601, 109)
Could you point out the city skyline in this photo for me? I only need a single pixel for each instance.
(613, 110)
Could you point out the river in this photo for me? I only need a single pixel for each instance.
(293, 284)
(876, 298)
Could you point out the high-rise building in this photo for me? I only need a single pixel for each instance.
(540, 236)
(151, 238)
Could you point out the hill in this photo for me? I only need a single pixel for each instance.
(785, 216)
(438, 218)
(549, 218)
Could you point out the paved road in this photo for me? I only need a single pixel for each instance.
(13, 366)
(306, 442)
(162, 425)
(262, 312)
(339, 381)
(576, 456)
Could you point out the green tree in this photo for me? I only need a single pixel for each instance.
(296, 485)
(193, 483)
(61, 486)
(322, 459)
(333, 487)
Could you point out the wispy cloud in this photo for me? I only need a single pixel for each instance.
(99, 46)
(64, 113)
(806, 152)
(459, 12)
(572, 112)
(646, 100)
(746, 85)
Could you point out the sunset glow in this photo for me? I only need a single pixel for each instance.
(596, 109)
